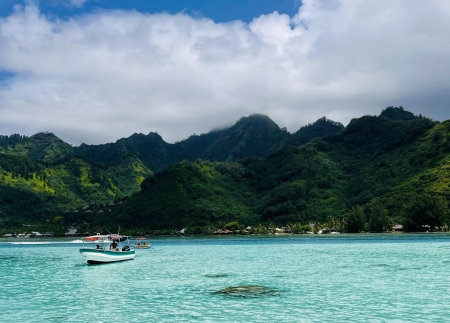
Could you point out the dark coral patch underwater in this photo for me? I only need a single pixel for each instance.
(250, 291)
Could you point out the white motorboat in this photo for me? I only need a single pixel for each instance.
(106, 248)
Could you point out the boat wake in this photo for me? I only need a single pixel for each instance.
(76, 241)
(33, 242)
(43, 242)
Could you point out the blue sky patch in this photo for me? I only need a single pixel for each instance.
(5, 75)
(218, 10)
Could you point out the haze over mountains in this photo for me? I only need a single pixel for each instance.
(253, 172)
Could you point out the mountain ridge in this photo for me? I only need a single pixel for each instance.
(377, 162)
(253, 171)
(256, 135)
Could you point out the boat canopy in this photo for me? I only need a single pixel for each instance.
(106, 237)
(119, 239)
(95, 238)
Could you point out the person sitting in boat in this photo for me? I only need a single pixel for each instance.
(113, 245)
(98, 247)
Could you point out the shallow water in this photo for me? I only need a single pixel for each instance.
(346, 278)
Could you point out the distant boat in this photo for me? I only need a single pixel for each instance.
(142, 244)
(106, 248)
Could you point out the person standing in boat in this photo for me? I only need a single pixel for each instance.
(113, 245)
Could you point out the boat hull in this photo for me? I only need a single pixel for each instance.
(100, 256)
(142, 247)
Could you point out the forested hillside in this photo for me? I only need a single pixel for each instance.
(375, 172)
(364, 177)
(253, 136)
(43, 178)
(42, 147)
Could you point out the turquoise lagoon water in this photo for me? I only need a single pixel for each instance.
(346, 278)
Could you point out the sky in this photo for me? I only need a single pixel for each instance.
(95, 71)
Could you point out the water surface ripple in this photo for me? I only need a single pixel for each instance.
(386, 278)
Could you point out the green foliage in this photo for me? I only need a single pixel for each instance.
(355, 220)
(320, 128)
(43, 147)
(298, 228)
(255, 135)
(190, 194)
(425, 212)
(398, 113)
(232, 226)
(59, 228)
(261, 229)
(379, 221)
(382, 163)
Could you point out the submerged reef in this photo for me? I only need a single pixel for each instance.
(217, 275)
(247, 291)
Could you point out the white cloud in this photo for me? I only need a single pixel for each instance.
(78, 3)
(103, 76)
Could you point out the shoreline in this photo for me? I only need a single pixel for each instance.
(382, 236)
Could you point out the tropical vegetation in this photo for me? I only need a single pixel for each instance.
(252, 177)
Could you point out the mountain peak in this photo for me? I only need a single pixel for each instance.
(256, 135)
(44, 135)
(152, 136)
(319, 128)
(398, 113)
(256, 117)
(44, 146)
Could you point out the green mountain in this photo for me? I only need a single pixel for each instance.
(320, 128)
(41, 176)
(43, 147)
(378, 170)
(379, 165)
(256, 135)
(151, 149)
(398, 113)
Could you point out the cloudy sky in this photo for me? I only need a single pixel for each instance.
(94, 71)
